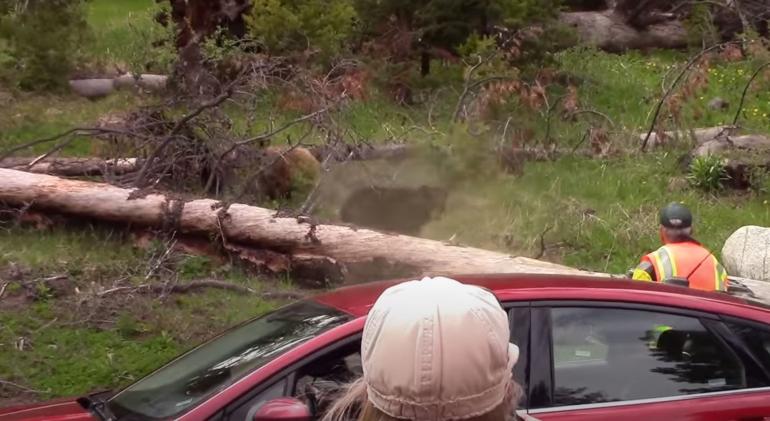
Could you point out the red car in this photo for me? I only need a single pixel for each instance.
(591, 349)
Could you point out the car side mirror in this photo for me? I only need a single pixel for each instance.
(283, 409)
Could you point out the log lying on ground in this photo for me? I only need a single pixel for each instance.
(699, 135)
(72, 167)
(101, 87)
(356, 254)
(345, 152)
(609, 31)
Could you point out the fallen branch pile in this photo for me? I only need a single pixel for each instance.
(334, 253)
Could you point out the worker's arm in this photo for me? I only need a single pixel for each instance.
(644, 272)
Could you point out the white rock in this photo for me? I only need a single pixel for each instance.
(746, 253)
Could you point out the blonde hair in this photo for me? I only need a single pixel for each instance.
(353, 404)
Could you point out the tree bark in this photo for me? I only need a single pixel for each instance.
(358, 254)
(609, 31)
(72, 167)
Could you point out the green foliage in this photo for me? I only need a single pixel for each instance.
(759, 179)
(140, 43)
(285, 26)
(707, 173)
(192, 267)
(42, 41)
(700, 26)
(448, 23)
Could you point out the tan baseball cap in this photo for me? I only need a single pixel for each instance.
(436, 349)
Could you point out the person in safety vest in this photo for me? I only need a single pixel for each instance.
(681, 257)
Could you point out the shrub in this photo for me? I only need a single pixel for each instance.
(285, 26)
(708, 173)
(41, 41)
(148, 47)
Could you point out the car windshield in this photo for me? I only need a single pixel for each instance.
(217, 364)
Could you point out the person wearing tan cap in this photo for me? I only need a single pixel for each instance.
(433, 350)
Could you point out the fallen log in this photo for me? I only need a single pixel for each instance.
(72, 167)
(609, 31)
(358, 254)
(699, 135)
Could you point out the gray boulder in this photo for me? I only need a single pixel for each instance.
(746, 253)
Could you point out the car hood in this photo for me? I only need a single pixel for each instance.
(61, 410)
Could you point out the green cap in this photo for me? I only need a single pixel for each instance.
(675, 215)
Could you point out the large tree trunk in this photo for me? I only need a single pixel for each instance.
(352, 255)
(610, 31)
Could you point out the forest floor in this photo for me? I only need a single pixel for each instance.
(597, 213)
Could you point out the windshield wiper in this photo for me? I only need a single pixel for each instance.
(98, 406)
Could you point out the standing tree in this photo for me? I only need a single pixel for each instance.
(42, 41)
(438, 27)
(196, 21)
(285, 26)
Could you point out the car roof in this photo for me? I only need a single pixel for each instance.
(358, 299)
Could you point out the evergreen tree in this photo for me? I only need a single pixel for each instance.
(42, 41)
(445, 24)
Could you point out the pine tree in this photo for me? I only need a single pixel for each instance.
(446, 24)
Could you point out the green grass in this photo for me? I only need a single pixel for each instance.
(66, 249)
(601, 213)
(80, 342)
(116, 23)
(66, 357)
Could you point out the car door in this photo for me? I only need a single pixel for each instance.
(317, 379)
(599, 360)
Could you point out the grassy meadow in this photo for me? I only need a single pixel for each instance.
(593, 213)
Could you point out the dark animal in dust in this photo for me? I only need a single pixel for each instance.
(399, 210)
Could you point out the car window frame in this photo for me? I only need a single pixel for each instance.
(521, 336)
(542, 334)
(741, 344)
(289, 373)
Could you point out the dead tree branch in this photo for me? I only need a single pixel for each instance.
(18, 386)
(179, 288)
(746, 90)
(594, 112)
(679, 77)
(78, 131)
(221, 98)
(260, 138)
(541, 253)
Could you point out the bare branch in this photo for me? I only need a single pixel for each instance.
(746, 90)
(177, 128)
(179, 288)
(541, 253)
(262, 137)
(591, 111)
(89, 131)
(18, 386)
(663, 98)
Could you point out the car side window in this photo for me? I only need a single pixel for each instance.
(609, 355)
(320, 381)
(756, 339)
(247, 410)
